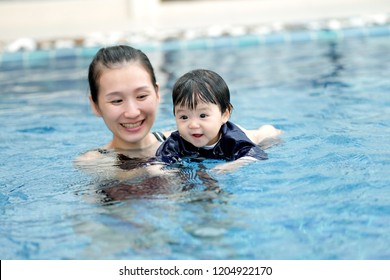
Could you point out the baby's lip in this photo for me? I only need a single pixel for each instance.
(197, 135)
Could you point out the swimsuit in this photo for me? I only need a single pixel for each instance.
(232, 145)
(127, 163)
(160, 136)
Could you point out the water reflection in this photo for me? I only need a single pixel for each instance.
(181, 213)
(332, 77)
(155, 179)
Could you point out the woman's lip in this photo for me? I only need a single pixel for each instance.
(132, 125)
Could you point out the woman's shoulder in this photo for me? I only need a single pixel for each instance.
(86, 156)
(92, 158)
(92, 154)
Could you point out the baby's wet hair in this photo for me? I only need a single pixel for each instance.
(201, 85)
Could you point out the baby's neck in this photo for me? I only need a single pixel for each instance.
(211, 146)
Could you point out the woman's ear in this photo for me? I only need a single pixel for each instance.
(95, 107)
(158, 91)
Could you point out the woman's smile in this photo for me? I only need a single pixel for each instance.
(132, 125)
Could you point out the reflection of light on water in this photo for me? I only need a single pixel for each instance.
(158, 180)
(152, 216)
(209, 232)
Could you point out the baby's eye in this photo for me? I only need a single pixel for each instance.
(183, 117)
(202, 116)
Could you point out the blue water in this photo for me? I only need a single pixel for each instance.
(322, 194)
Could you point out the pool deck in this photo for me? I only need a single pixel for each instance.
(110, 22)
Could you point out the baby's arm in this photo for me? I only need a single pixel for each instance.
(257, 136)
(262, 133)
(233, 165)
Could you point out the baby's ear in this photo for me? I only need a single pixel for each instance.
(226, 115)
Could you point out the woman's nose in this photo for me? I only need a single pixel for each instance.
(131, 110)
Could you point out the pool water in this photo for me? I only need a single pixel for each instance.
(322, 194)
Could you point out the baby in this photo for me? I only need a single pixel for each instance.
(202, 108)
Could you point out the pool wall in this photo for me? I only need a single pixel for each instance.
(206, 41)
(63, 24)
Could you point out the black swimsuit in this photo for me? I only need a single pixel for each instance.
(160, 136)
(233, 144)
(128, 163)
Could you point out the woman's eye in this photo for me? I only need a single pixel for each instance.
(117, 101)
(143, 96)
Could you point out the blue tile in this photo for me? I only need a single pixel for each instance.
(300, 36)
(379, 30)
(66, 53)
(39, 55)
(12, 57)
(249, 40)
(171, 45)
(221, 42)
(327, 35)
(148, 47)
(88, 51)
(201, 43)
(353, 32)
(275, 38)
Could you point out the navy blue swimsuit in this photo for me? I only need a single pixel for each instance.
(233, 145)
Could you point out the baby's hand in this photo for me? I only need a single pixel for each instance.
(268, 131)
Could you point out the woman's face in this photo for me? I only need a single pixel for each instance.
(127, 102)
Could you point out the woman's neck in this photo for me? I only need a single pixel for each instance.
(146, 147)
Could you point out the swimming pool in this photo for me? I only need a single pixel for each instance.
(322, 194)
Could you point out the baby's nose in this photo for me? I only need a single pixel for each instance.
(193, 124)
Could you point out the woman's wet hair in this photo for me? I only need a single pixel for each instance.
(114, 57)
(201, 85)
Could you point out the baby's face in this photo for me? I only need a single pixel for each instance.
(200, 126)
